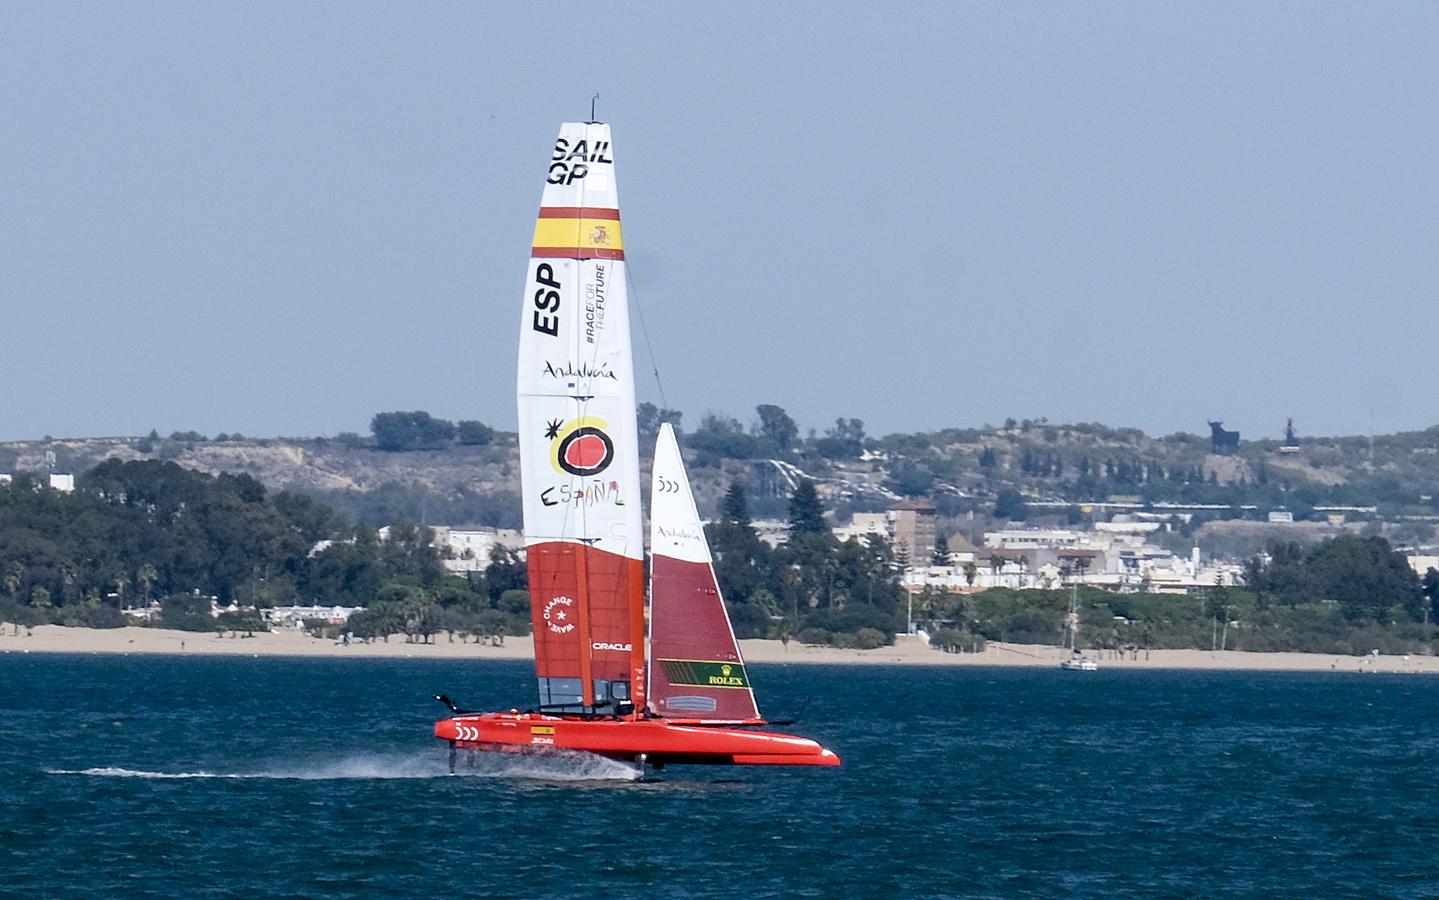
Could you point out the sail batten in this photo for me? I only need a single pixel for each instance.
(697, 672)
(579, 458)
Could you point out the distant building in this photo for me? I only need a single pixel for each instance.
(1116, 557)
(296, 616)
(471, 551)
(960, 550)
(772, 531)
(863, 525)
(1031, 538)
(1422, 564)
(63, 483)
(914, 528)
(464, 551)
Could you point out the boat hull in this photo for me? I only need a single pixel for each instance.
(654, 741)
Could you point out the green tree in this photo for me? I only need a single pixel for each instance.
(742, 564)
(649, 418)
(724, 437)
(734, 508)
(1430, 587)
(806, 515)
(910, 480)
(506, 572)
(844, 440)
(1009, 504)
(1363, 574)
(474, 434)
(777, 432)
(940, 555)
(415, 430)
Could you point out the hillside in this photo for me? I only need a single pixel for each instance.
(1032, 470)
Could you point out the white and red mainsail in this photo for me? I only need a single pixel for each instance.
(579, 455)
(696, 668)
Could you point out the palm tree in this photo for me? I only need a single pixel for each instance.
(14, 577)
(146, 578)
(996, 565)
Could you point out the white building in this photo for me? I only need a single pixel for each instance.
(471, 551)
(1422, 564)
(295, 616)
(862, 525)
(464, 551)
(1115, 556)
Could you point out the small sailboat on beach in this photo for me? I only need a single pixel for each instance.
(689, 699)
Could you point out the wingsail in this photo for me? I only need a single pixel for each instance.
(579, 459)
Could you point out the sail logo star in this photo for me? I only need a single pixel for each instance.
(557, 617)
(580, 446)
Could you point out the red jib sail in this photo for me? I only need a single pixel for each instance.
(696, 669)
(579, 457)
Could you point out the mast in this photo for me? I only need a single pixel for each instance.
(579, 456)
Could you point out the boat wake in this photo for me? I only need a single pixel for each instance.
(116, 772)
(549, 767)
(555, 765)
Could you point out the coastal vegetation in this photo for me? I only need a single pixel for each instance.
(153, 535)
(137, 534)
(1346, 596)
(299, 527)
(415, 465)
(812, 587)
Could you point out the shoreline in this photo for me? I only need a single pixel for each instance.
(905, 651)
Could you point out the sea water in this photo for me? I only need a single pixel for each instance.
(207, 776)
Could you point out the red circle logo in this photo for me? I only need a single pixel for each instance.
(585, 451)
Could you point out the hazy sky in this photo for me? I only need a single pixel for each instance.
(279, 218)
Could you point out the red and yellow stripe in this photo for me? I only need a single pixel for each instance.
(575, 232)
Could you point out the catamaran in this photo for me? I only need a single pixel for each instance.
(688, 699)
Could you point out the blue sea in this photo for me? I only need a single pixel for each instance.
(217, 777)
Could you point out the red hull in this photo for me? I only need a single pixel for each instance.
(656, 740)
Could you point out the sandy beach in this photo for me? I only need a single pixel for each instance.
(906, 651)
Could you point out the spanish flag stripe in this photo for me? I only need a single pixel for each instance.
(579, 233)
(578, 238)
(578, 212)
(575, 253)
